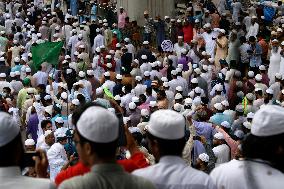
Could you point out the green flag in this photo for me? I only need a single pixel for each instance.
(46, 52)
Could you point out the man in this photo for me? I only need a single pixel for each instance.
(96, 137)
(49, 140)
(166, 139)
(45, 125)
(253, 28)
(202, 163)
(121, 18)
(221, 149)
(29, 145)
(210, 37)
(12, 153)
(262, 166)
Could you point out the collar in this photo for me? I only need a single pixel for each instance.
(10, 171)
(107, 167)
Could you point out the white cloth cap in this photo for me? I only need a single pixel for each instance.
(204, 157)
(118, 76)
(134, 130)
(247, 125)
(99, 90)
(164, 79)
(64, 95)
(29, 142)
(145, 112)
(219, 136)
(167, 124)
(269, 91)
(268, 121)
(177, 107)
(226, 124)
(225, 103)
(197, 71)
(145, 42)
(117, 97)
(138, 78)
(219, 87)
(250, 115)
(146, 73)
(8, 130)
(59, 120)
(278, 76)
(109, 65)
(166, 84)
(82, 74)
(194, 80)
(174, 72)
(239, 133)
(48, 132)
(135, 99)
(179, 88)
(218, 106)
(90, 72)
(2, 75)
(250, 96)
(106, 74)
(251, 74)
(131, 105)
(178, 96)
(198, 90)
(262, 68)
(258, 77)
(153, 103)
(188, 101)
(47, 97)
(28, 70)
(144, 57)
(76, 102)
(12, 74)
(98, 125)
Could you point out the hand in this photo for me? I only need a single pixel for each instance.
(203, 139)
(41, 164)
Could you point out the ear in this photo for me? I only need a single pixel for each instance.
(87, 148)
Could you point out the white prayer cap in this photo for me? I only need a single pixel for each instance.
(145, 42)
(196, 21)
(145, 112)
(28, 70)
(226, 124)
(198, 90)
(126, 39)
(100, 21)
(106, 74)
(17, 73)
(273, 33)
(29, 142)
(98, 30)
(188, 101)
(250, 115)
(68, 71)
(47, 97)
(12, 74)
(8, 15)
(219, 136)
(104, 20)
(134, 130)
(274, 41)
(207, 25)
(81, 46)
(166, 124)
(278, 76)
(118, 45)
(239, 133)
(164, 79)
(178, 21)
(118, 76)
(257, 89)
(194, 80)
(251, 74)
(177, 107)
(2, 75)
(131, 105)
(48, 132)
(204, 157)
(117, 97)
(178, 96)
(282, 43)
(76, 102)
(153, 104)
(144, 57)
(166, 84)
(138, 78)
(178, 70)
(82, 74)
(247, 125)
(111, 51)
(76, 53)
(225, 103)
(250, 96)
(211, 60)
(90, 72)
(269, 91)
(218, 106)
(135, 99)
(219, 87)
(174, 72)
(179, 89)
(146, 73)
(173, 20)
(222, 31)
(109, 65)
(253, 17)
(167, 17)
(238, 23)
(205, 68)
(2, 59)
(59, 120)
(262, 17)
(98, 125)
(8, 130)
(197, 71)
(262, 68)
(17, 59)
(64, 95)
(37, 97)
(240, 108)
(154, 64)
(279, 30)
(258, 77)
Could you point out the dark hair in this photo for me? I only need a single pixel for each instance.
(149, 90)
(81, 98)
(44, 123)
(264, 148)
(168, 147)
(143, 97)
(8, 89)
(9, 152)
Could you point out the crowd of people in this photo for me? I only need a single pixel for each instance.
(191, 100)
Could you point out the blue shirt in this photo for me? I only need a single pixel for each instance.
(147, 83)
(218, 118)
(16, 68)
(255, 58)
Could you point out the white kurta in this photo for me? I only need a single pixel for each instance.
(274, 65)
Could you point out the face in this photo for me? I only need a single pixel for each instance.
(48, 127)
(215, 142)
(30, 148)
(50, 139)
(81, 148)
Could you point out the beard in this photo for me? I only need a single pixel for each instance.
(274, 48)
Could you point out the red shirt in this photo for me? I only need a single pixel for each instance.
(136, 161)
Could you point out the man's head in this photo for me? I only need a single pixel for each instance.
(46, 125)
(11, 146)
(96, 135)
(218, 139)
(166, 133)
(49, 137)
(202, 161)
(266, 139)
(30, 145)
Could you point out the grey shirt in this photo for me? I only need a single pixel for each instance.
(107, 176)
